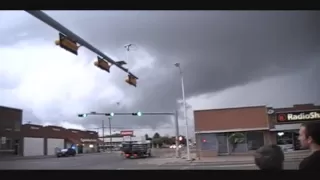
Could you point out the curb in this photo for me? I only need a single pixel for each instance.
(192, 163)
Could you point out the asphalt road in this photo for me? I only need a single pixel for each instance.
(90, 161)
(115, 162)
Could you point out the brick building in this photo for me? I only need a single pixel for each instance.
(43, 140)
(37, 140)
(10, 126)
(253, 127)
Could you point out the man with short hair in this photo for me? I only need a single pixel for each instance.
(309, 136)
(269, 157)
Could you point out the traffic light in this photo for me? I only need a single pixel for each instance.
(132, 80)
(102, 64)
(137, 113)
(67, 44)
(82, 115)
(110, 114)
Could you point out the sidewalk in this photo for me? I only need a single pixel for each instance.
(236, 159)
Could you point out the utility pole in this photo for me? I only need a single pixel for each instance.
(184, 110)
(110, 134)
(103, 134)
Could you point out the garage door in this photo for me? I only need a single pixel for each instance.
(52, 144)
(33, 146)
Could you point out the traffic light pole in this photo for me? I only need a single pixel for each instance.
(174, 114)
(59, 27)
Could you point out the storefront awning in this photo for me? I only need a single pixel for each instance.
(286, 127)
(233, 130)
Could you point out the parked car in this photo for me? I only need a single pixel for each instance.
(66, 152)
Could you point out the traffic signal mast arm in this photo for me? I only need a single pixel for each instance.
(54, 24)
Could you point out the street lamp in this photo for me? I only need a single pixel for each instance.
(184, 110)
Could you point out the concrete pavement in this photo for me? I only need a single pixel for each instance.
(116, 162)
(288, 165)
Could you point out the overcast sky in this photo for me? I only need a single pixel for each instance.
(229, 58)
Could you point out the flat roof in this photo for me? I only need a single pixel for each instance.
(242, 107)
(293, 107)
(11, 108)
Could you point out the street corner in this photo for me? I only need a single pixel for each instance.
(163, 161)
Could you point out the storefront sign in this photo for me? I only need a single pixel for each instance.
(298, 116)
(126, 133)
(88, 140)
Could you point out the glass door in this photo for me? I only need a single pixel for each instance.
(223, 147)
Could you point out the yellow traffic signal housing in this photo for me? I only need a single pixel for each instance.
(132, 80)
(102, 64)
(67, 44)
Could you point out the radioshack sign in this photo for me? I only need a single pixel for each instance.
(298, 116)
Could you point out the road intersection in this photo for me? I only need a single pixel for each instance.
(113, 161)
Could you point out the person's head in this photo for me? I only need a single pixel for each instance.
(269, 157)
(309, 135)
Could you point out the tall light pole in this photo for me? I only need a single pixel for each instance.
(184, 110)
(110, 133)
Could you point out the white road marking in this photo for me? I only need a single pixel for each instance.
(187, 167)
(235, 165)
(120, 168)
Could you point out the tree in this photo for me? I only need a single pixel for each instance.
(235, 139)
(156, 135)
(156, 140)
(167, 140)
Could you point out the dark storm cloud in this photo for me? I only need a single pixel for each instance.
(217, 49)
(235, 46)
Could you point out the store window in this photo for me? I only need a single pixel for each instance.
(208, 142)
(237, 142)
(6, 143)
(17, 125)
(255, 140)
(285, 140)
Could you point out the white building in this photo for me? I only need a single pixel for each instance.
(115, 142)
